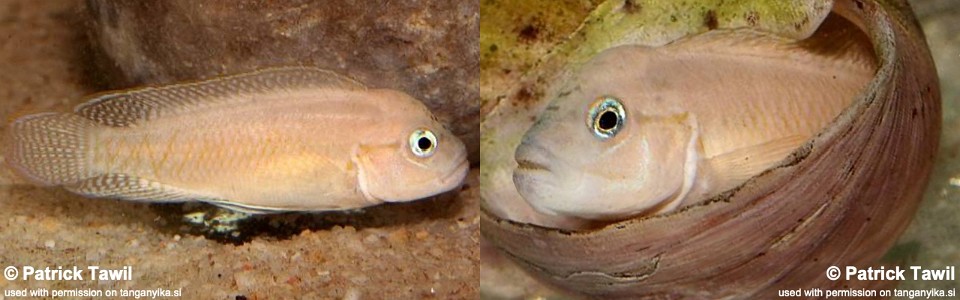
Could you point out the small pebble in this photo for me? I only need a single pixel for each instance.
(360, 280)
(955, 181)
(422, 234)
(246, 281)
(436, 252)
(399, 236)
(324, 276)
(49, 244)
(352, 294)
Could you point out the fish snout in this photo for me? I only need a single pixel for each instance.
(455, 177)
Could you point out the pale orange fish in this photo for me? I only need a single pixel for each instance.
(640, 130)
(288, 139)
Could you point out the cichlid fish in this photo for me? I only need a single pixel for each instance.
(287, 139)
(641, 130)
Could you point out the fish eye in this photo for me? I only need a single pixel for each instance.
(423, 142)
(606, 117)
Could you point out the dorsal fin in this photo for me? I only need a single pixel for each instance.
(125, 108)
(836, 44)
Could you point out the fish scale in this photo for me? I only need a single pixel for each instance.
(196, 154)
(798, 111)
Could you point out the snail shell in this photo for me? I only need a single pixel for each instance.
(840, 200)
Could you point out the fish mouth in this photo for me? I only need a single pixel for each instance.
(528, 165)
(531, 157)
(457, 175)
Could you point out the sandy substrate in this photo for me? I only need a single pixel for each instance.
(428, 249)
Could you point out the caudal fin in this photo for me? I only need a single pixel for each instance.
(49, 148)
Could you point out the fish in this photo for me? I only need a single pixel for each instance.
(639, 130)
(275, 140)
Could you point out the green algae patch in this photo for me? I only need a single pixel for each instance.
(514, 34)
(655, 23)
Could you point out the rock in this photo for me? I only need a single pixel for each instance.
(428, 49)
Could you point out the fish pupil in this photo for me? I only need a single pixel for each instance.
(424, 143)
(608, 121)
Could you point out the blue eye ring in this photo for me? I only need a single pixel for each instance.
(422, 142)
(607, 117)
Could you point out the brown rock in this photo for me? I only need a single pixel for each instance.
(428, 49)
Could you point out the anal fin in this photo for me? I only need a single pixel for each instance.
(246, 209)
(134, 188)
(129, 187)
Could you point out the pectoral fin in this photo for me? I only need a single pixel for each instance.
(731, 169)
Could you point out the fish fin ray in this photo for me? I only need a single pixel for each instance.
(50, 148)
(247, 209)
(127, 108)
(258, 210)
(843, 49)
(129, 187)
(134, 188)
(735, 167)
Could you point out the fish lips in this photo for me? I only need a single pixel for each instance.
(533, 158)
(552, 186)
(534, 174)
(455, 177)
(531, 166)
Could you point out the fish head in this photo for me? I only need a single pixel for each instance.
(595, 154)
(413, 157)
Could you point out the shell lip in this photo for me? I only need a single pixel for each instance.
(486, 214)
